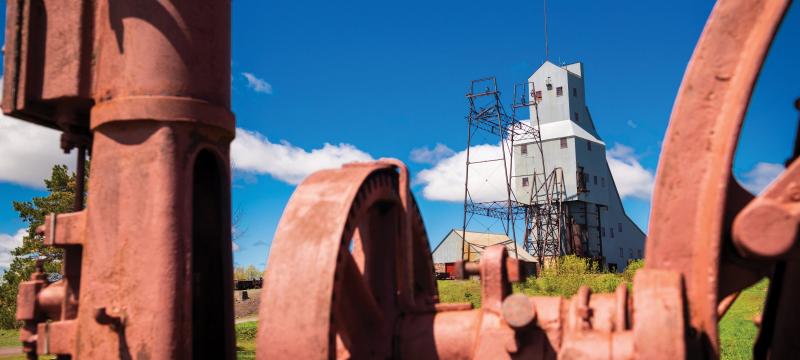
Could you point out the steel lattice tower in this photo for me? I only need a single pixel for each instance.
(544, 209)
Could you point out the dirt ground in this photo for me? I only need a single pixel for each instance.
(246, 308)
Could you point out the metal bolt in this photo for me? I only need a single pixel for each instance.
(518, 311)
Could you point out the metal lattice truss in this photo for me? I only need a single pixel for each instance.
(545, 214)
(542, 213)
(545, 220)
(486, 114)
(497, 209)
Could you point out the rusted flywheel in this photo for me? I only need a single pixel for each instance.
(349, 258)
(696, 200)
(350, 270)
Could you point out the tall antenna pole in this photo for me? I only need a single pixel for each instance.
(546, 49)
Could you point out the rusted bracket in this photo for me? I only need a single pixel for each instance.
(57, 338)
(64, 229)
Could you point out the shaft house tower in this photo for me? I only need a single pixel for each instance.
(595, 223)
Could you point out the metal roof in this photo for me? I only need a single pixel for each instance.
(479, 241)
(562, 129)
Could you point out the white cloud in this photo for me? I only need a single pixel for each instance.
(425, 155)
(632, 124)
(9, 242)
(445, 180)
(254, 153)
(29, 152)
(257, 84)
(235, 246)
(631, 178)
(757, 179)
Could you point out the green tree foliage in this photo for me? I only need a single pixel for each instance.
(59, 199)
(247, 273)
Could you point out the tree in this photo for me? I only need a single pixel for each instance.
(248, 273)
(238, 273)
(59, 199)
(252, 273)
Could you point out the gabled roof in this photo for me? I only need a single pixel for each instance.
(575, 69)
(479, 241)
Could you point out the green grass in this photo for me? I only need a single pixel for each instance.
(246, 340)
(736, 329)
(9, 337)
(460, 291)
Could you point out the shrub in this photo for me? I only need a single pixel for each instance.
(570, 272)
(562, 279)
(631, 270)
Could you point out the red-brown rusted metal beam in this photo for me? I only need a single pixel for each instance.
(147, 84)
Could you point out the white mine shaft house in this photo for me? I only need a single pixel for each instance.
(595, 225)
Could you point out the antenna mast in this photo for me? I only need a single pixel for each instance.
(546, 49)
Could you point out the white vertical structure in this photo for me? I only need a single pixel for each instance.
(597, 225)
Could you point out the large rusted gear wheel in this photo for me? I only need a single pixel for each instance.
(349, 258)
(701, 222)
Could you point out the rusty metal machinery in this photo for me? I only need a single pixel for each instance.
(370, 294)
(148, 274)
(147, 269)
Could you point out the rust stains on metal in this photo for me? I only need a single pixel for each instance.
(148, 268)
(691, 276)
(146, 87)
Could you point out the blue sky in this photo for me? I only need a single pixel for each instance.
(383, 79)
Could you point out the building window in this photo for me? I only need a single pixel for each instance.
(603, 231)
(559, 91)
(589, 145)
(602, 181)
(523, 149)
(576, 117)
(630, 252)
(525, 181)
(574, 91)
(595, 179)
(621, 252)
(619, 227)
(563, 143)
(612, 232)
(539, 96)
(548, 84)
(639, 252)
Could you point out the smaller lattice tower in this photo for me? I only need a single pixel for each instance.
(541, 187)
(488, 123)
(540, 210)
